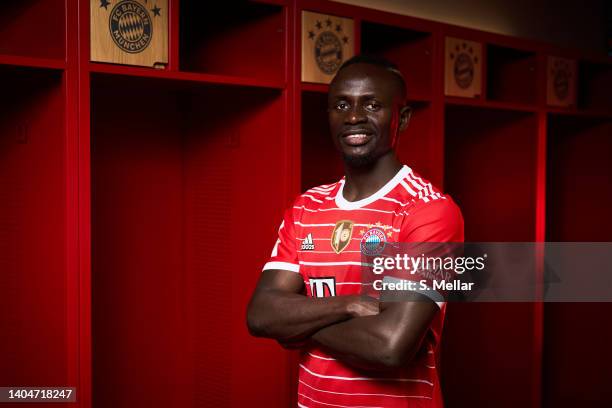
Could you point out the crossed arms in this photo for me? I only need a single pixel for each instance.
(355, 329)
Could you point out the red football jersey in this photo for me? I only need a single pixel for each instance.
(321, 238)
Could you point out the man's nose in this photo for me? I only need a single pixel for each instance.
(356, 115)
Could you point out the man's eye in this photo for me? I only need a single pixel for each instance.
(372, 106)
(342, 106)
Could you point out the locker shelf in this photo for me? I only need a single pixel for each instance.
(33, 28)
(411, 50)
(244, 39)
(511, 75)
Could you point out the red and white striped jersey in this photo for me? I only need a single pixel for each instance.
(321, 238)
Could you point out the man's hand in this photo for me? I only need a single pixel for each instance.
(360, 306)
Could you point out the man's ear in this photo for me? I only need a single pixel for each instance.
(405, 114)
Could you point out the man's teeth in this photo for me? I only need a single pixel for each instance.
(356, 138)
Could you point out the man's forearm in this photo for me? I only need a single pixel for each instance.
(353, 342)
(289, 316)
(384, 341)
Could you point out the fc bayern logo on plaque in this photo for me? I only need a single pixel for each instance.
(328, 52)
(463, 68)
(561, 82)
(131, 32)
(327, 41)
(130, 26)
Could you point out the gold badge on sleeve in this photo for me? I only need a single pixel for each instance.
(131, 32)
(341, 235)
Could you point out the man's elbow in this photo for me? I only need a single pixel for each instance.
(254, 323)
(395, 355)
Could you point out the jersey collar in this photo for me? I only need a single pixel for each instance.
(342, 202)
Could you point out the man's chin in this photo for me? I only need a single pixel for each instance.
(362, 160)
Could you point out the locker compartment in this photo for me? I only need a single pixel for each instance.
(185, 181)
(33, 229)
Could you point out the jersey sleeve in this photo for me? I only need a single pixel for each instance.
(425, 231)
(436, 221)
(284, 253)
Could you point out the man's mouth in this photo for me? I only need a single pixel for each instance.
(356, 138)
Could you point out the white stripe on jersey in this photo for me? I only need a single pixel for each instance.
(321, 358)
(333, 225)
(408, 189)
(312, 198)
(427, 186)
(328, 185)
(327, 239)
(414, 183)
(282, 265)
(344, 209)
(323, 193)
(313, 225)
(335, 263)
(321, 188)
(422, 190)
(333, 377)
(275, 249)
(427, 189)
(396, 201)
(364, 394)
(335, 405)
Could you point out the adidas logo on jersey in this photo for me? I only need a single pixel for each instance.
(307, 244)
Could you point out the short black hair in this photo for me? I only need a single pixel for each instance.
(379, 62)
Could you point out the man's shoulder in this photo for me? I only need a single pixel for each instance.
(431, 215)
(316, 196)
(424, 202)
(416, 191)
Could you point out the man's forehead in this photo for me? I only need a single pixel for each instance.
(360, 78)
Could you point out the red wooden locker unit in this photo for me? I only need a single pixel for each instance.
(138, 205)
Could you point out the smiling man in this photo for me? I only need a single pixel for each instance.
(357, 350)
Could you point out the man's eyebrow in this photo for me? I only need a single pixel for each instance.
(361, 96)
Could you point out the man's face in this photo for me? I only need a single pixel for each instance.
(366, 112)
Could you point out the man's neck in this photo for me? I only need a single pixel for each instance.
(362, 182)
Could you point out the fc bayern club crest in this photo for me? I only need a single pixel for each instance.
(464, 62)
(329, 42)
(561, 79)
(130, 26)
(129, 32)
(373, 241)
(561, 82)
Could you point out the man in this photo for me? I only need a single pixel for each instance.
(357, 350)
